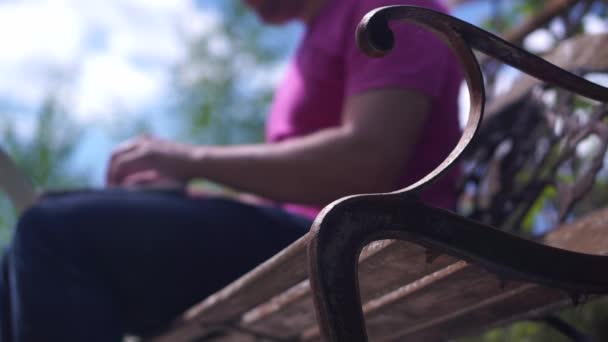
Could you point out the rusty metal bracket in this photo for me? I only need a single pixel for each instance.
(345, 226)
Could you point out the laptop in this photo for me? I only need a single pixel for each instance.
(15, 183)
(22, 193)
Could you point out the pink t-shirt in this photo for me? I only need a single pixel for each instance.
(328, 67)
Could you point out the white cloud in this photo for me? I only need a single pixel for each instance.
(22, 125)
(25, 29)
(599, 78)
(117, 53)
(464, 104)
(505, 78)
(539, 41)
(263, 77)
(594, 24)
(109, 85)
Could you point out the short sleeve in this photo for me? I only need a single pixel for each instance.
(419, 61)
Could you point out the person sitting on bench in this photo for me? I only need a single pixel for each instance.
(95, 265)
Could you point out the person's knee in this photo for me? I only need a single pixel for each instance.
(65, 226)
(44, 227)
(32, 230)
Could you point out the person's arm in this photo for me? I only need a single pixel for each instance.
(366, 153)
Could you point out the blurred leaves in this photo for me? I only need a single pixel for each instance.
(226, 84)
(43, 153)
(223, 89)
(591, 318)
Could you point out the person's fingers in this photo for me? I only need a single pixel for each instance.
(124, 147)
(151, 179)
(146, 177)
(127, 164)
(127, 147)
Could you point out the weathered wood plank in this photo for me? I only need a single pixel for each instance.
(443, 304)
(285, 307)
(276, 275)
(435, 298)
(588, 234)
(571, 54)
(285, 315)
(385, 266)
(257, 302)
(234, 336)
(456, 286)
(442, 297)
(551, 10)
(522, 302)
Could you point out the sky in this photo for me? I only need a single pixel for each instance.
(111, 54)
(113, 57)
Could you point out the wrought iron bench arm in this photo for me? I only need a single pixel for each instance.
(347, 225)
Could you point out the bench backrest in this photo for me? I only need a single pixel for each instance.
(405, 295)
(527, 159)
(508, 170)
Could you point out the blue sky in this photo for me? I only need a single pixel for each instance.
(112, 52)
(114, 57)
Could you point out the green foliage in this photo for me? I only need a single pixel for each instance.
(529, 7)
(7, 220)
(225, 85)
(590, 318)
(522, 332)
(44, 156)
(223, 91)
(548, 194)
(505, 17)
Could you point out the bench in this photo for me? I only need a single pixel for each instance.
(423, 273)
(392, 268)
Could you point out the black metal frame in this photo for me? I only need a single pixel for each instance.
(347, 225)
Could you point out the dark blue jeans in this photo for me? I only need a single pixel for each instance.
(92, 266)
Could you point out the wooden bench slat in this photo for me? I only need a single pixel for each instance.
(584, 235)
(260, 287)
(400, 263)
(522, 302)
(234, 336)
(285, 315)
(464, 288)
(290, 313)
(461, 287)
(277, 274)
(440, 293)
(572, 54)
(274, 298)
(380, 272)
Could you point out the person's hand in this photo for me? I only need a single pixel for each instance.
(146, 160)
